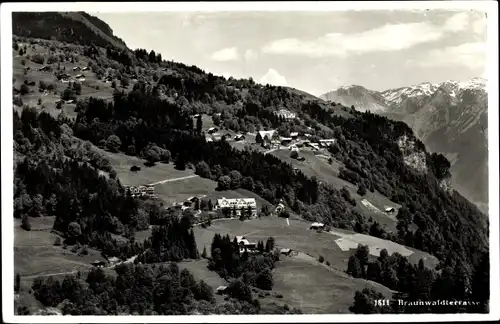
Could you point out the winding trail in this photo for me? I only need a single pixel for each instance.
(174, 179)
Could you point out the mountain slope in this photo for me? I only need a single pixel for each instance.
(70, 27)
(359, 97)
(450, 118)
(154, 120)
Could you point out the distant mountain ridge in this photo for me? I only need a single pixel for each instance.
(449, 117)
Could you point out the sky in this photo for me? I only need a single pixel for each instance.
(316, 52)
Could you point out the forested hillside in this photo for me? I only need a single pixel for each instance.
(59, 172)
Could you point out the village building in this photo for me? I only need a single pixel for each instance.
(114, 260)
(286, 114)
(80, 77)
(85, 68)
(245, 245)
(265, 136)
(77, 68)
(239, 137)
(280, 208)
(238, 204)
(286, 251)
(45, 68)
(389, 210)
(327, 142)
(98, 264)
(316, 226)
(285, 140)
(294, 135)
(221, 290)
(212, 130)
(141, 191)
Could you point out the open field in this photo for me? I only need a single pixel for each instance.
(35, 253)
(177, 191)
(315, 288)
(299, 237)
(122, 163)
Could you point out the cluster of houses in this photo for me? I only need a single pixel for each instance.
(66, 78)
(102, 263)
(271, 139)
(141, 191)
(240, 205)
(213, 135)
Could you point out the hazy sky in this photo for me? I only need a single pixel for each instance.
(316, 51)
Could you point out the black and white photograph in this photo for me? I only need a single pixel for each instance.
(250, 162)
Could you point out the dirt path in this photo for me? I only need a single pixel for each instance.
(50, 274)
(175, 179)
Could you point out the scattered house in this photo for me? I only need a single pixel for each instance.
(294, 148)
(286, 251)
(109, 79)
(244, 244)
(327, 142)
(85, 68)
(196, 115)
(113, 260)
(212, 130)
(286, 114)
(64, 77)
(294, 135)
(221, 290)
(301, 159)
(264, 137)
(141, 191)
(314, 146)
(60, 101)
(217, 114)
(239, 137)
(389, 210)
(240, 204)
(307, 135)
(317, 226)
(295, 169)
(98, 264)
(80, 77)
(216, 137)
(285, 140)
(71, 101)
(280, 208)
(45, 68)
(209, 139)
(77, 68)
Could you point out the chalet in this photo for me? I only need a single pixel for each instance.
(77, 68)
(294, 148)
(286, 114)
(239, 137)
(45, 68)
(294, 135)
(286, 251)
(98, 264)
(244, 244)
(316, 226)
(209, 139)
(301, 159)
(60, 101)
(216, 137)
(285, 140)
(71, 101)
(280, 208)
(196, 115)
(85, 68)
(64, 77)
(150, 191)
(113, 260)
(240, 204)
(221, 290)
(80, 77)
(265, 136)
(389, 210)
(212, 130)
(327, 142)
